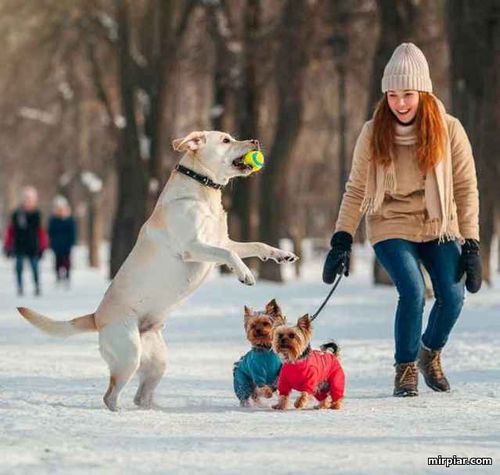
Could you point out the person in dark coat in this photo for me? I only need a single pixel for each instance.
(62, 236)
(26, 238)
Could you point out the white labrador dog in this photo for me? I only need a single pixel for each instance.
(185, 237)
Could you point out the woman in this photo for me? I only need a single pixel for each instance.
(413, 174)
(62, 237)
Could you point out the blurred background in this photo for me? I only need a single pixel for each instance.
(92, 92)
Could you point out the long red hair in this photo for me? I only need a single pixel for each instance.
(430, 133)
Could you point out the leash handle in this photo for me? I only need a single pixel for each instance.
(322, 306)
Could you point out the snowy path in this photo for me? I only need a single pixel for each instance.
(52, 419)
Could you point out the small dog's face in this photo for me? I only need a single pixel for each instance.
(218, 152)
(260, 326)
(291, 342)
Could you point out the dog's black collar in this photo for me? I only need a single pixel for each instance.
(204, 180)
(261, 348)
(305, 354)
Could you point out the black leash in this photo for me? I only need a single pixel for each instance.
(322, 306)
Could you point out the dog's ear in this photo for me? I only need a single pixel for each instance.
(304, 323)
(248, 314)
(274, 310)
(190, 142)
(279, 320)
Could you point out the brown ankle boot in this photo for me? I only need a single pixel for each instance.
(406, 380)
(429, 364)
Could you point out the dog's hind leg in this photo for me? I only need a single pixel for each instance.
(120, 346)
(152, 366)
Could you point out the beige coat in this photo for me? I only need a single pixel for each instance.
(403, 213)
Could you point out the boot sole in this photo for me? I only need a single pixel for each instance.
(406, 394)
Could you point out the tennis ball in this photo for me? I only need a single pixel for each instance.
(255, 159)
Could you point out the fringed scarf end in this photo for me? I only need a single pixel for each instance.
(370, 204)
(436, 227)
(390, 181)
(367, 205)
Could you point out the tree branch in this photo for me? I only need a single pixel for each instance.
(97, 79)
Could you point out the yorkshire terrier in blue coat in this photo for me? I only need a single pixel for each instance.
(255, 375)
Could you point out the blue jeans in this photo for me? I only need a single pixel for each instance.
(33, 260)
(401, 258)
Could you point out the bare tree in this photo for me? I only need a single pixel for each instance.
(237, 95)
(295, 35)
(146, 52)
(474, 36)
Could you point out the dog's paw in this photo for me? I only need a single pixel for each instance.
(278, 407)
(264, 391)
(337, 405)
(301, 402)
(111, 404)
(247, 278)
(282, 257)
(325, 404)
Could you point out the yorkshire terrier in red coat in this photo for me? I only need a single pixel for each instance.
(315, 373)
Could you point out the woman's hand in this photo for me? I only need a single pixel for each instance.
(470, 264)
(339, 257)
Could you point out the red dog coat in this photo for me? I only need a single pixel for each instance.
(318, 374)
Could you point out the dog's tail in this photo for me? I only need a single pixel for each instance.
(59, 328)
(330, 346)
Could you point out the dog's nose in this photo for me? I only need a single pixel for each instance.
(255, 143)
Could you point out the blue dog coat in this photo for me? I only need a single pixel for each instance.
(259, 367)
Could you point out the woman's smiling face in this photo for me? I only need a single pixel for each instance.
(403, 104)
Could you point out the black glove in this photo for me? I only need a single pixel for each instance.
(338, 259)
(8, 253)
(470, 264)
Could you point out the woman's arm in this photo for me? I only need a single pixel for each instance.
(350, 213)
(464, 182)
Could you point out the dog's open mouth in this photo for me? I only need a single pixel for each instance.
(240, 165)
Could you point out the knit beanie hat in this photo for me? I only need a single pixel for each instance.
(407, 69)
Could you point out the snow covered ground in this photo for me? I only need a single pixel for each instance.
(52, 419)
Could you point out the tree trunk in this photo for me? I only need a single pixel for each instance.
(475, 95)
(245, 194)
(130, 213)
(94, 225)
(132, 180)
(396, 26)
(290, 78)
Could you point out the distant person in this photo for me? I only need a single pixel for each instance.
(413, 173)
(25, 238)
(62, 237)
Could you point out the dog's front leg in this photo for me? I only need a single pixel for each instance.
(324, 404)
(200, 252)
(302, 401)
(337, 404)
(264, 391)
(263, 251)
(282, 403)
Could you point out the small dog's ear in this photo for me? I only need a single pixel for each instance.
(279, 320)
(247, 315)
(304, 323)
(190, 142)
(273, 309)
